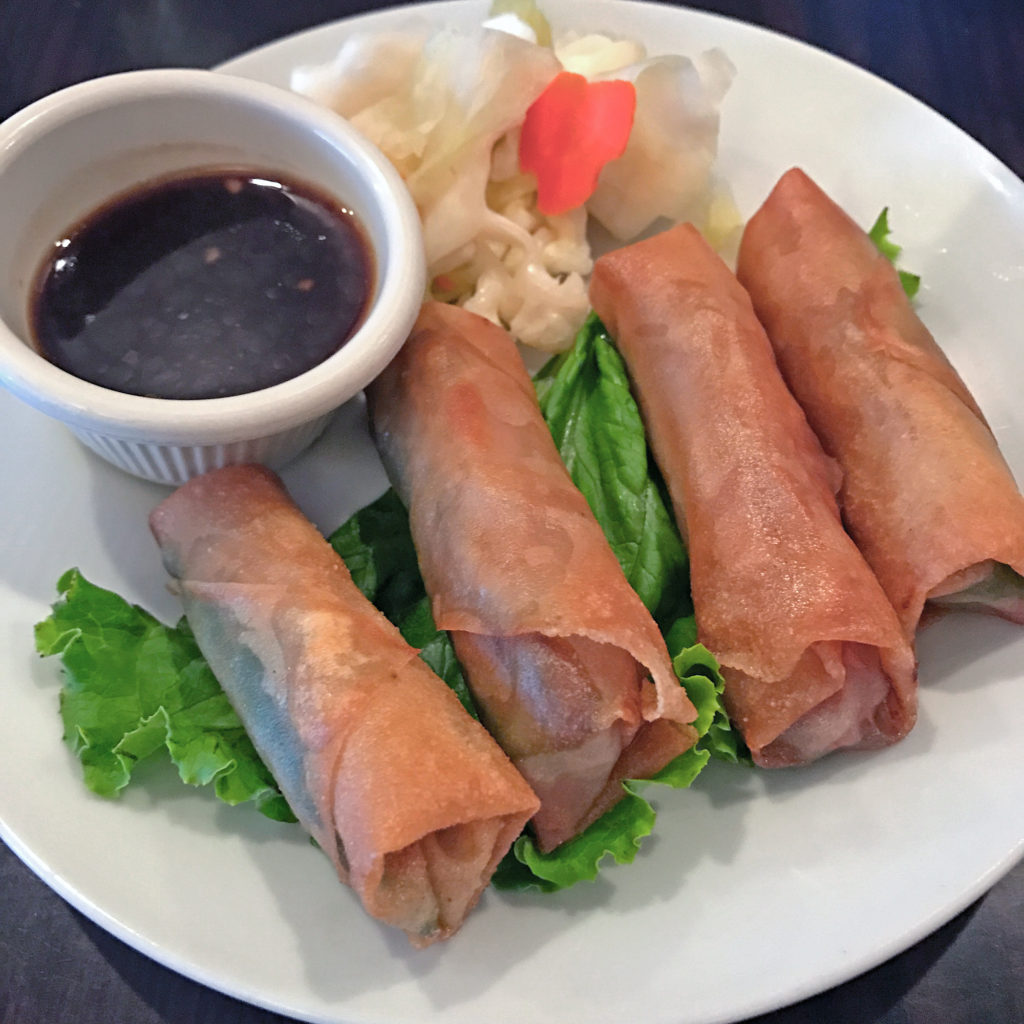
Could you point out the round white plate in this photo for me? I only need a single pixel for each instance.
(757, 889)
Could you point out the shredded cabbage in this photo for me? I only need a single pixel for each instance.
(446, 106)
(667, 169)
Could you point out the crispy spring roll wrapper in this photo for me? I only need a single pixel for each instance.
(926, 493)
(566, 665)
(411, 799)
(812, 653)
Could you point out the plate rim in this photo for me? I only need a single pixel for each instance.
(156, 951)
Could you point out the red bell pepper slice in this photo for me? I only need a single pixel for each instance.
(571, 131)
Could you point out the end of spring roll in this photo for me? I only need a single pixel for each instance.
(566, 666)
(406, 794)
(813, 656)
(926, 493)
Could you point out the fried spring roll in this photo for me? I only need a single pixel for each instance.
(812, 652)
(566, 665)
(926, 493)
(409, 797)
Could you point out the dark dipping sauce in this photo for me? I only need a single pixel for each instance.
(207, 285)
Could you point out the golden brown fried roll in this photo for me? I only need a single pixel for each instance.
(410, 798)
(812, 653)
(566, 665)
(926, 493)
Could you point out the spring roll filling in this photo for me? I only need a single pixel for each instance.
(989, 586)
(565, 709)
(848, 718)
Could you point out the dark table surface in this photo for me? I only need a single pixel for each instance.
(965, 59)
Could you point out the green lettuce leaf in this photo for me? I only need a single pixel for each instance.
(586, 400)
(133, 687)
(617, 834)
(698, 670)
(879, 234)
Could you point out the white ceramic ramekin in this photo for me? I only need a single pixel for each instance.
(65, 155)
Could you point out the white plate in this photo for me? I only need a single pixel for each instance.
(757, 889)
